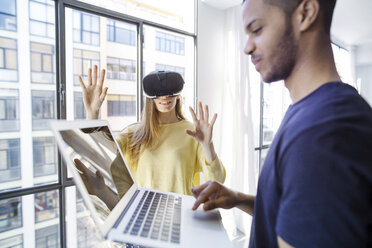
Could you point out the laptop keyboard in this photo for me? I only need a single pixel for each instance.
(157, 216)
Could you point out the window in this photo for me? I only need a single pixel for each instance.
(8, 60)
(46, 206)
(43, 107)
(85, 28)
(87, 36)
(122, 69)
(47, 237)
(9, 110)
(42, 63)
(12, 242)
(42, 18)
(121, 32)
(45, 156)
(10, 163)
(10, 214)
(179, 14)
(157, 57)
(8, 13)
(83, 60)
(119, 105)
(79, 110)
(170, 43)
(180, 70)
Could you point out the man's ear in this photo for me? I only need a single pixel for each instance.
(306, 14)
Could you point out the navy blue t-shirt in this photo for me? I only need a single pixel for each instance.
(315, 187)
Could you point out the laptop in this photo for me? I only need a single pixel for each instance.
(123, 211)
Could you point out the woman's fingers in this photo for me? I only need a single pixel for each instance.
(82, 83)
(102, 78)
(103, 94)
(191, 133)
(206, 113)
(213, 119)
(95, 75)
(193, 115)
(90, 76)
(201, 112)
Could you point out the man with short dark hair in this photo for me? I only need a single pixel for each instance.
(315, 187)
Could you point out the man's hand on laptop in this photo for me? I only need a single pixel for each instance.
(214, 195)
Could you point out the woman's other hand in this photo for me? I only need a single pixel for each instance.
(93, 94)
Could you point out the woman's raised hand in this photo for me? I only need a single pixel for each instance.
(203, 129)
(93, 94)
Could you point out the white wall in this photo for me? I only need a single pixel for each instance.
(210, 71)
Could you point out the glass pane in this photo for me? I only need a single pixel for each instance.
(10, 214)
(20, 222)
(173, 13)
(276, 102)
(119, 52)
(47, 237)
(10, 111)
(10, 166)
(12, 242)
(45, 159)
(35, 62)
(26, 219)
(37, 28)
(10, 59)
(8, 22)
(38, 11)
(180, 60)
(46, 206)
(2, 64)
(255, 96)
(8, 7)
(81, 230)
(85, 27)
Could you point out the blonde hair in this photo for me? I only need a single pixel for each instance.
(147, 131)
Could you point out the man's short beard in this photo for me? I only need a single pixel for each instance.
(284, 56)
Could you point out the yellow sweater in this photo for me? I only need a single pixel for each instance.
(174, 165)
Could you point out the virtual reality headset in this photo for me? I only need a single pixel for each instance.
(162, 83)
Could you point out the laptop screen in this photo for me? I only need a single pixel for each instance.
(100, 165)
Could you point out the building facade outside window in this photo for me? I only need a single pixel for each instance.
(180, 70)
(12, 242)
(85, 28)
(121, 69)
(170, 43)
(43, 108)
(42, 63)
(47, 237)
(10, 164)
(79, 110)
(44, 156)
(46, 206)
(121, 105)
(9, 110)
(8, 15)
(10, 214)
(42, 18)
(121, 32)
(8, 60)
(83, 60)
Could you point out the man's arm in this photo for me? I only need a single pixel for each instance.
(215, 195)
(282, 243)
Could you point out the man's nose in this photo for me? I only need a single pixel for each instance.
(249, 46)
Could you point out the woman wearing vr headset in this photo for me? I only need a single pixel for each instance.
(164, 151)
